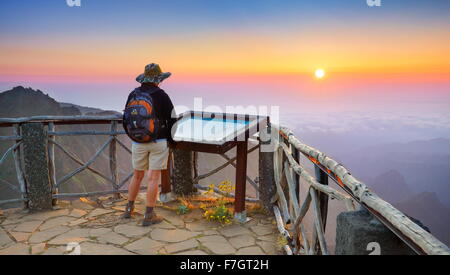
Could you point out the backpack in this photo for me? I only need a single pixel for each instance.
(139, 117)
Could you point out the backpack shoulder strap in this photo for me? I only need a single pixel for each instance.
(136, 92)
(133, 95)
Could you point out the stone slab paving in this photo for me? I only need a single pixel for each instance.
(234, 230)
(172, 236)
(145, 246)
(217, 244)
(27, 227)
(19, 236)
(90, 248)
(192, 252)
(132, 230)
(46, 235)
(78, 213)
(53, 251)
(113, 238)
(242, 241)
(44, 215)
(38, 248)
(97, 232)
(182, 246)
(4, 238)
(78, 222)
(94, 227)
(55, 222)
(252, 250)
(16, 249)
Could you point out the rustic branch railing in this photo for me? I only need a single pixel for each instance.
(52, 121)
(284, 179)
(15, 151)
(288, 211)
(230, 162)
(112, 142)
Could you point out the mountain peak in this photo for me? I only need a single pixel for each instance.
(22, 89)
(391, 186)
(21, 101)
(427, 207)
(24, 102)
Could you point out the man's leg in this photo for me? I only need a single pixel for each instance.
(135, 186)
(159, 154)
(152, 194)
(152, 188)
(133, 191)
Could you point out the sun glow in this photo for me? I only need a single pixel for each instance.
(320, 73)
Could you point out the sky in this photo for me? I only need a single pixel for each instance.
(392, 57)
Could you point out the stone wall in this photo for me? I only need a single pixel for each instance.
(360, 233)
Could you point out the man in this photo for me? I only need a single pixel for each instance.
(153, 155)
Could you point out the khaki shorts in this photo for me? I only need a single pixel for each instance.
(152, 155)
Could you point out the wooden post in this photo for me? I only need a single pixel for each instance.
(322, 178)
(267, 185)
(241, 179)
(296, 155)
(113, 161)
(195, 164)
(165, 177)
(182, 177)
(284, 183)
(19, 167)
(34, 138)
(51, 161)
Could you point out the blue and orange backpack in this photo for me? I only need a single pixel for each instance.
(139, 117)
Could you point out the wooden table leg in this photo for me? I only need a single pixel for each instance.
(241, 172)
(165, 178)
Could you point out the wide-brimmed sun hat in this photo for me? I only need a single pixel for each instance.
(152, 74)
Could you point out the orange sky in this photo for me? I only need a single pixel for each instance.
(231, 53)
(203, 41)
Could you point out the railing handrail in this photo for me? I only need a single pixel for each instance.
(79, 119)
(412, 234)
(51, 121)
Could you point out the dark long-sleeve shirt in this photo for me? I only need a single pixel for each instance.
(163, 109)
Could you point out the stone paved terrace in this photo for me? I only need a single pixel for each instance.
(98, 228)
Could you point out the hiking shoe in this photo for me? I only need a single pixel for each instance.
(150, 219)
(128, 212)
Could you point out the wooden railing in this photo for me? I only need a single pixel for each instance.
(112, 143)
(289, 173)
(15, 151)
(230, 162)
(51, 122)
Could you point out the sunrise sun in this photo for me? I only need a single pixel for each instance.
(320, 73)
